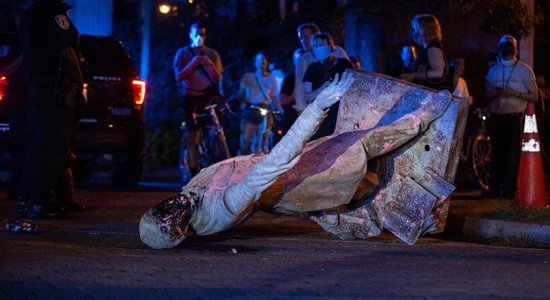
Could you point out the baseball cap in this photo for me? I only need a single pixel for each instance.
(508, 39)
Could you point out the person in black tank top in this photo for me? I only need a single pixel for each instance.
(431, 61)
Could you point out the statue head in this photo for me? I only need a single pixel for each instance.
(165, 225)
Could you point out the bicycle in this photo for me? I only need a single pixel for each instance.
(482, 151)
(266, 134)
(212, 146)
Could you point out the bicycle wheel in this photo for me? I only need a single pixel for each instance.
(481, 158)
(205, 155)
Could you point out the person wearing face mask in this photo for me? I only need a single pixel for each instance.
(305, 35)
(199, 70)
(429, 67)
(319, 74)
(257, 90)
(509, 85)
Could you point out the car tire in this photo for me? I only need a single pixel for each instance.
(127, 174)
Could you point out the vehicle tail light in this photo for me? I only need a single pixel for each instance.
(2, 87)
(139, 91)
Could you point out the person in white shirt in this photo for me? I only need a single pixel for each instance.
(509, 85)
(258, 90)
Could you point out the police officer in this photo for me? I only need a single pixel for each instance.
(15, 93)
(48, 41)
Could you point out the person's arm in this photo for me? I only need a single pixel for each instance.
(286, 153)
(213, 66)
(437, 64)
(275, 96)
(183, 70)
(530, 96)
(309, 94)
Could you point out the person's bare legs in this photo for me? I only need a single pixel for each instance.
(249, 136)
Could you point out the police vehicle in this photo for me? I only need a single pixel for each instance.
(110, 132)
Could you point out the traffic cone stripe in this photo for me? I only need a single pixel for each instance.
(531, 145)
(530, 124)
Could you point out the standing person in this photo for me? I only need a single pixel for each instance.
(318, 76)
(403, 63)
(305, 34)
(258, 90)
(509, 85)
(199, 70)
(408, 57)
(461, 87)
(429, 67)
(49, 43)
(288, 102)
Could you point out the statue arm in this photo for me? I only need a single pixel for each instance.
(286, 153)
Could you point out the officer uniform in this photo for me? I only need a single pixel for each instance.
(49, 45)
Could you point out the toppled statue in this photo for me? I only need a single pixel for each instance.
(324, 178)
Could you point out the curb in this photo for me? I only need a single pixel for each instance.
(502, 229)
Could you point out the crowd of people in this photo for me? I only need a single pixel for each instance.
(510, 84)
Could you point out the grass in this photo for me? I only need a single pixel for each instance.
(525, 215)
(499, 209)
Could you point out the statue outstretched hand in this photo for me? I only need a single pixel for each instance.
(334, 91)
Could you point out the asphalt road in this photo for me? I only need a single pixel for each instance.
(97, 254)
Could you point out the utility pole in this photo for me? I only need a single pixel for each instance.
(146, 39)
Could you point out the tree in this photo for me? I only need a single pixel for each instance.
(368, 22)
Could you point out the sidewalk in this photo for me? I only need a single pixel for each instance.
(465, 220)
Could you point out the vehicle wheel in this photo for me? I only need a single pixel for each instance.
(481, 159)
(127, 174)
(205, 153)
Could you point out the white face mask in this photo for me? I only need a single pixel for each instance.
(322, 52)
(198, 41)
(508, 63)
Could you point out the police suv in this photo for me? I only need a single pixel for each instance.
(110, 131)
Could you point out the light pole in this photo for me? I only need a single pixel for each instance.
(146, 40)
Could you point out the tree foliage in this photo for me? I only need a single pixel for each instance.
(502, 16)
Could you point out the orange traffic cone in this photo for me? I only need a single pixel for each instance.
(530, 184)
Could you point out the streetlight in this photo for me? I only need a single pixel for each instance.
(164, 8)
